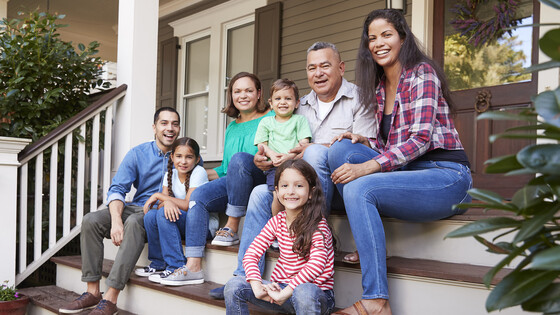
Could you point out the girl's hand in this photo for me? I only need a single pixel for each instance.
(355, 138)
(279, 295)
(150, 203)
(348, 172)
(281, 159)
(259, 290)
(171, 210)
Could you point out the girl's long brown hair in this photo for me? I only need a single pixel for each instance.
(307, 222)
(191, 143)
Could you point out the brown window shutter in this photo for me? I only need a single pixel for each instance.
(168, 78)
(268, 25)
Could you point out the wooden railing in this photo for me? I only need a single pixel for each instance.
(79, 178)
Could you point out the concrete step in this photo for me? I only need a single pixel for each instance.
(48, 299)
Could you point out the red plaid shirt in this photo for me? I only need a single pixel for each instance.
(420, 122)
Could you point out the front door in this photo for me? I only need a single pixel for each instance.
(486, 78)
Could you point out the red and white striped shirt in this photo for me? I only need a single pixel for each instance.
(291, 268)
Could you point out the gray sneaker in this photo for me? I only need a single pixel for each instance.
(157, 277)
(183, 276)
(225, 237)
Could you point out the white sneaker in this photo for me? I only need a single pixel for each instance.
(146, 271)
(157, 277)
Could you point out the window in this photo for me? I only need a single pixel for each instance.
(215, 45)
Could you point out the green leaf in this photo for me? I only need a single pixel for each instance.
(547, 301)
(548, 259)
(497, 115)
(534, 225)
(542, 158)
(552, 3)
(550, 44)
(518, 287)
(542, 66)
(528, 196)
(487, 196)
(547, 104)
(502, 164)
(81, 47)
(484, 226)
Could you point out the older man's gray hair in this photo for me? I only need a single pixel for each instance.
(323, 45)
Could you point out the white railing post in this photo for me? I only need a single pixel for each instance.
(9, 149)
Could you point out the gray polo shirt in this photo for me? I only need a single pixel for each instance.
(345, 114)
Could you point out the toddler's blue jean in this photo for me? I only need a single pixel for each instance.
(307, 298)
(420, 191)
(229, 193)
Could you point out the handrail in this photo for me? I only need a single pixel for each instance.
(34, 149)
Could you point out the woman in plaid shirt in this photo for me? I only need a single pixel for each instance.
(416, 168)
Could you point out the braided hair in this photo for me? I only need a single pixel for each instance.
(191, 143)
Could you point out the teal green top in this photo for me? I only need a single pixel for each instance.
(239, 138)
(282, 136)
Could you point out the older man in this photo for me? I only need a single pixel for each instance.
(331, 108)
(144, 167)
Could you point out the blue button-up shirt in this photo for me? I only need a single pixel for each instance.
(144, 167)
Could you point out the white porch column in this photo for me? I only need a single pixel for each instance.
(422, 22)
(136, 67)
(3, 8)
(9, 149)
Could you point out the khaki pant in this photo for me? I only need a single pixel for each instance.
(95, 227)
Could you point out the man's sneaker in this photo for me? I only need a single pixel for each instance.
(183, 276)
(146, 271)
(83, 302)
(225, 237)
(217, 293)
(105, 308)
(157, 277)
(275, 246)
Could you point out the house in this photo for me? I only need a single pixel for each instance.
(183, 57)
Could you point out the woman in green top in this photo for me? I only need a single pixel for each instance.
(245, 104)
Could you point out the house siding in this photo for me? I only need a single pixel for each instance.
(307, 21)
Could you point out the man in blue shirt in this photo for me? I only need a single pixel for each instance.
(143, 167)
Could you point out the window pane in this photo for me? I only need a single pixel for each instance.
(496, 63)
(240, 50)
(197, 61)
(196, 117)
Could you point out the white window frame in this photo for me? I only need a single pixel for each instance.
(214, 22)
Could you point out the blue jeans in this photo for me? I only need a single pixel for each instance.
(420, 191)
(165, 250)
(307, 298)
(229, 193)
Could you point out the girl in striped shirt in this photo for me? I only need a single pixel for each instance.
(302, 280)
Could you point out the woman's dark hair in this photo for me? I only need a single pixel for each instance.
(230, 109)
(282, 84)
(307, 222)
(369, 73)
(191, 143)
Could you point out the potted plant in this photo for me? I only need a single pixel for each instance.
(11, 302)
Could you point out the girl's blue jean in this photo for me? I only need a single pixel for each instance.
(420, 191)
(165, 250)
(307, 298)
(229, 194)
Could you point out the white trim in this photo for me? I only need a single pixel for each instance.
(174, 6)
(423, 22)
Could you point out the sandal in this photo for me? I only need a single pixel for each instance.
(358, 307)
(352, 258)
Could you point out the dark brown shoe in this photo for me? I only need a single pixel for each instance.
(84, 302)
(105, 308)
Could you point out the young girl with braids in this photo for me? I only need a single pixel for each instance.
(302, 280)
(165, 226)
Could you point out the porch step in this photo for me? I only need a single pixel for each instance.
(48, 299)
(155, 298)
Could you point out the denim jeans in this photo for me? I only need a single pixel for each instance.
(420, 191)
(229, 194)
(165, 250)
(307, 298)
